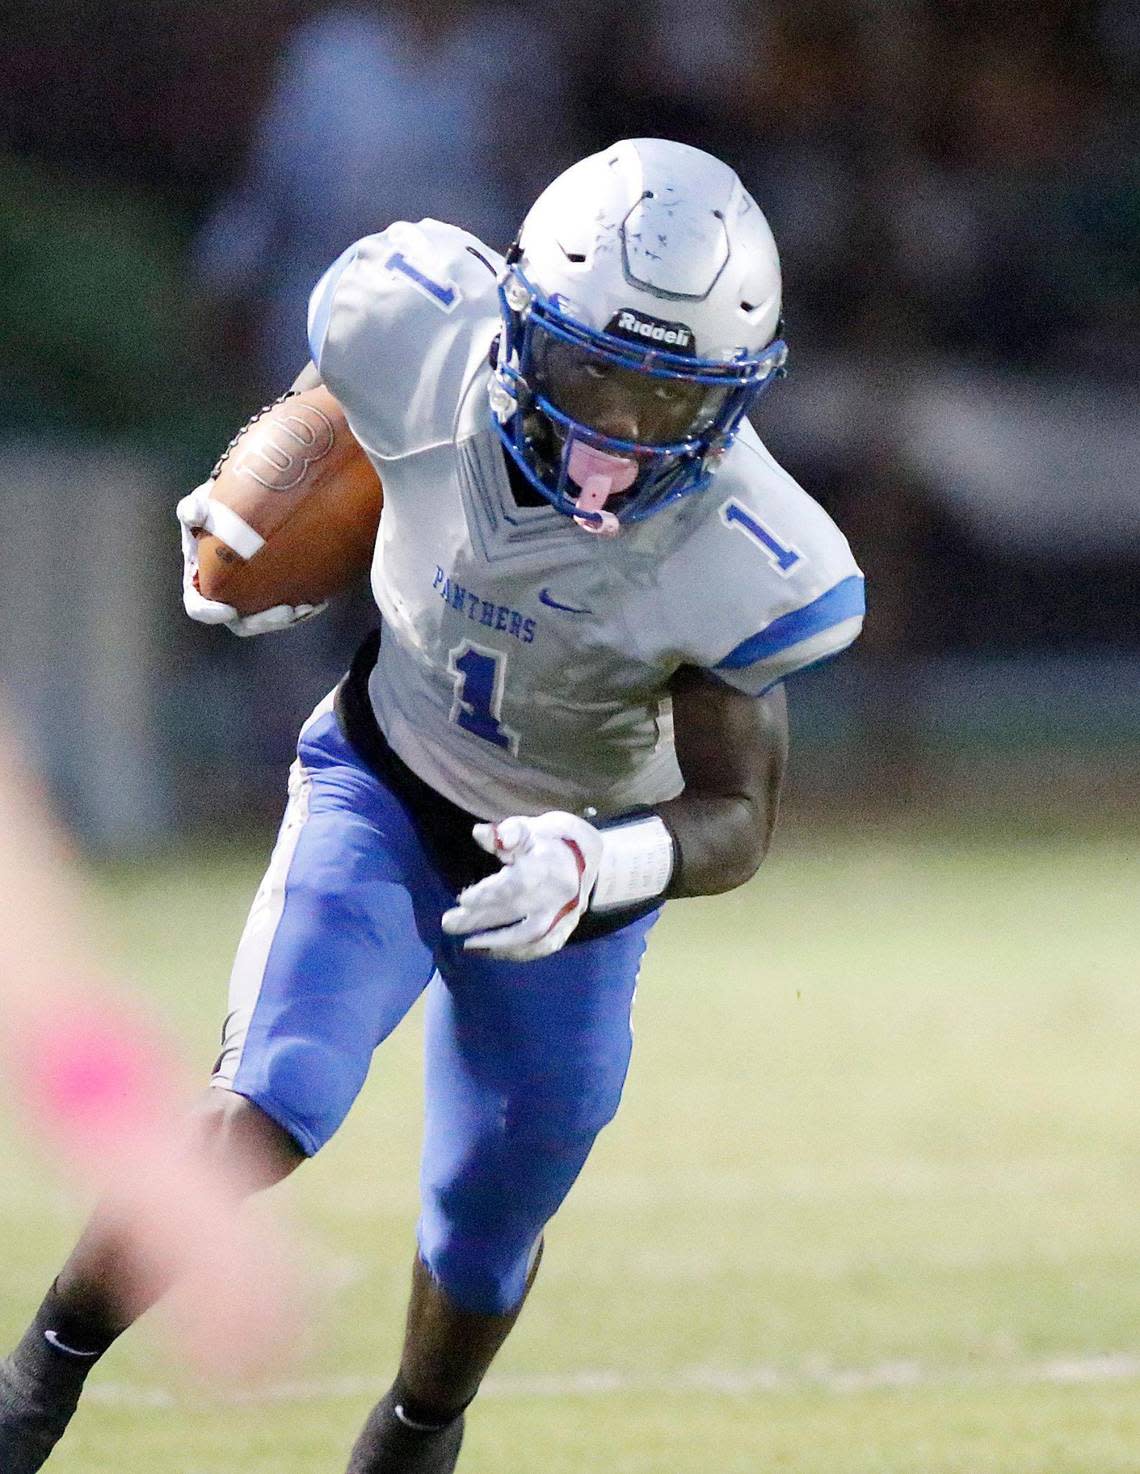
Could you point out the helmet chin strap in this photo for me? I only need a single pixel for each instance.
(600, 475)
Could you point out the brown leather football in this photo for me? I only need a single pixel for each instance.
(297, 475)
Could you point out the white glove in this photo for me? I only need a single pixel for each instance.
(193, 516)
(532, 905)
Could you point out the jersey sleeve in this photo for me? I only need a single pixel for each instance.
(786, 591)
(793, 640)
(395, 326)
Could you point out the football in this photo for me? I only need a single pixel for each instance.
(297, 476)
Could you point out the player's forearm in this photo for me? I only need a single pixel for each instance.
(732, 750)
(720, 840)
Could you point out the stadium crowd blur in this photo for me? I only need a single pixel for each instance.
(955, 188)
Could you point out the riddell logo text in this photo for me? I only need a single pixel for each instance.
(674, 335)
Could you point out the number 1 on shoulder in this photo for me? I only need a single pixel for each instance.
(782, 556)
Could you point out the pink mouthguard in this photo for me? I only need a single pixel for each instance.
(600, 475)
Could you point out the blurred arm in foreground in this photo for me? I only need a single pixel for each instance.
(96, 1083)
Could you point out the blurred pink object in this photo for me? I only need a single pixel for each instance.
(90, 1079)
(95, 1081)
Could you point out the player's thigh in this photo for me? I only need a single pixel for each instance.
(526, 1063)
(330, 959)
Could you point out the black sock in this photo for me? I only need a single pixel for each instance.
(64, 1341)
(413, 1412)
(406, 1436)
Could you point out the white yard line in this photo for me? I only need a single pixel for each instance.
(1057, 1371)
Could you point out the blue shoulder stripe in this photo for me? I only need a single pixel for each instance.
(320, 307)
(845, 601)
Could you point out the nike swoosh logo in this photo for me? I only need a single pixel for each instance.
(545, 597)
(402, 1417)
(53, 1340)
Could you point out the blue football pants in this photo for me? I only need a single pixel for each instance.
(525, 1062)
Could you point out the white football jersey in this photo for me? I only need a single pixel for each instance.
(524, 662)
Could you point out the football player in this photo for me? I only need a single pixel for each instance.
(593, 581)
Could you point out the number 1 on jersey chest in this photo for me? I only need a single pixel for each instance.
(479, 676)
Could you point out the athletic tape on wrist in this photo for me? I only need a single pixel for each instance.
(233, 530)
(637, 862)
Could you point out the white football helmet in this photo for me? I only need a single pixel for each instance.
(641, 319)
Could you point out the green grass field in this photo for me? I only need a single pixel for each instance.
(872, 1204)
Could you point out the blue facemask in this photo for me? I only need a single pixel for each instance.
(607, 429)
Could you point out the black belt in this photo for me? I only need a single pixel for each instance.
(444, 829)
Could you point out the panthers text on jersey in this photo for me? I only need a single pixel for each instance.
(525, 663)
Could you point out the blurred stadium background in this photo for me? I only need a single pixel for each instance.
(956, 192)
(926, 1165)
